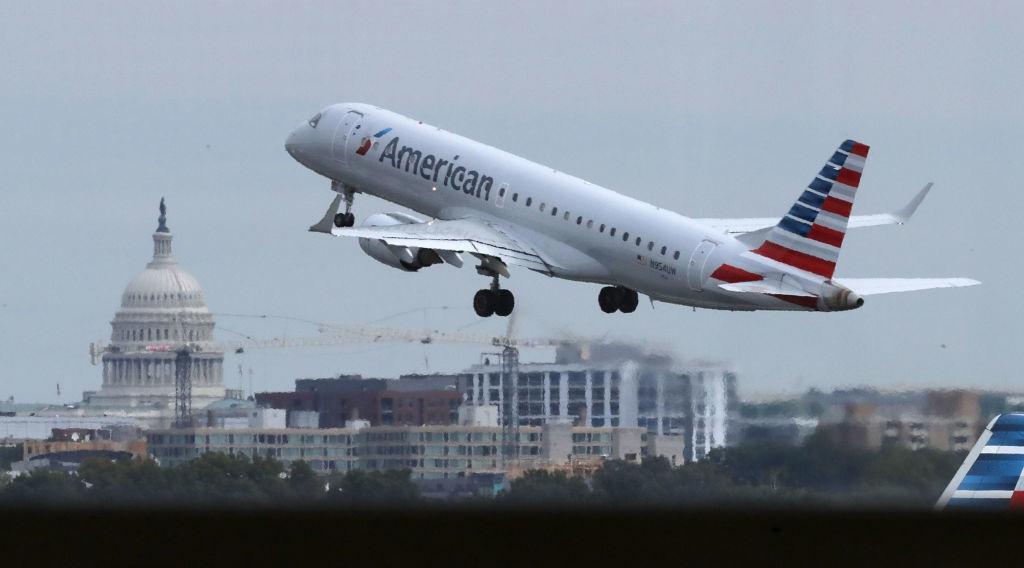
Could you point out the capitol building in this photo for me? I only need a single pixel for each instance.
(163, 313)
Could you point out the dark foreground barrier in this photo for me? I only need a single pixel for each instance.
(502, 537)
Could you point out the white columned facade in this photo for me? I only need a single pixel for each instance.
(160, 308)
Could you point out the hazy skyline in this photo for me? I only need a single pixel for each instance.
(703, 108)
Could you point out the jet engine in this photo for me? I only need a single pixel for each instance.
(839, 298)
(409, 259)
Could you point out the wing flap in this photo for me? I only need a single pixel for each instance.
(460, 235)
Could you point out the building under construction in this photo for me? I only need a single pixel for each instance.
(614, 385)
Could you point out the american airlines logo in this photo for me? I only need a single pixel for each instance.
(437, 170)
(367, 142)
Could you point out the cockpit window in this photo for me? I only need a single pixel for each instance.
(315, 120)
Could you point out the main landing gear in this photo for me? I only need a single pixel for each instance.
(617, 298)
(493, 300)
(346, 219)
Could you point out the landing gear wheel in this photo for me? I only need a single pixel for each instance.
(630, 300)
(483, 303)
(504, 302)
(344, 220)
(609, 299)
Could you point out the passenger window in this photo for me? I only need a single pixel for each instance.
(566, 216)
(663, 249)
(625, 236)
(650, 245)
(638, 241)
(612, 232)
(554, 211)
(542, 207)
(529, 201)
(676, 255)
(499, 201)
(590, 223)
(515, 197)
(601, 228)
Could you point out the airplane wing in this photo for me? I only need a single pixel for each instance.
(992, 476)
(474, 236)
(749, 225)
(874, 286)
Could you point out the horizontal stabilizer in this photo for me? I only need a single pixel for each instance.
(751, 224)
(874, 286)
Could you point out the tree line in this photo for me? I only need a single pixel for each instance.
(817, 474)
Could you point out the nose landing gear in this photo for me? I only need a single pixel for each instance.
(617, 298)
(332, 217)
(346, 219)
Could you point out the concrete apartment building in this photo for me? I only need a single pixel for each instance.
(431, 452)
(949, 420)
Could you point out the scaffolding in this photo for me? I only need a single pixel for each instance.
(183, 387)
(510, 402)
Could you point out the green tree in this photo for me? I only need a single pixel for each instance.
(622, 483)
(303, 482)
(393, 487)
(127, 481)
(542, 488)
(44, 487)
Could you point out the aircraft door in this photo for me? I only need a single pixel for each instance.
(346, 136)
(696, 268)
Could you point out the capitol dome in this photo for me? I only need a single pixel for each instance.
(163, 314)
(163, 285)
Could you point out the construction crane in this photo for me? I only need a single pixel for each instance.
(330, 334)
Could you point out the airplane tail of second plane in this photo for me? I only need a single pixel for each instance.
(992, 475)
(811, 233)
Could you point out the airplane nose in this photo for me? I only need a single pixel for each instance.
(291, 144)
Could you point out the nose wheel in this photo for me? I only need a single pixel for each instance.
(346, 219)
(494, 301)
(617, 298)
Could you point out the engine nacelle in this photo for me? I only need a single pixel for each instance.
(839, 298)
(409, 259)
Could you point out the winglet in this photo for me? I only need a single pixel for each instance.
(904, 214)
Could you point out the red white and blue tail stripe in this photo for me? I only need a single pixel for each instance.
(992, 476)
(810, 235)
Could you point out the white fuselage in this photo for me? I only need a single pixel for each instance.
(581, 227)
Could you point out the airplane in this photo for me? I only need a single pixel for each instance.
(504, 210)
(992, 475)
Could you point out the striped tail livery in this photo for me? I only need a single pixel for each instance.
(810, 235)
(992, 476)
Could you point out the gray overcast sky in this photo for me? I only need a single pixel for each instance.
(710, 109)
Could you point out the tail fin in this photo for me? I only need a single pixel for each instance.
(992, 476)
(810, 235)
